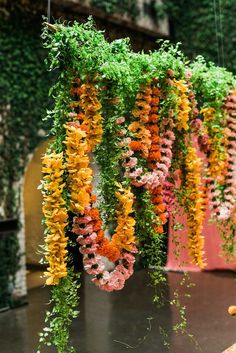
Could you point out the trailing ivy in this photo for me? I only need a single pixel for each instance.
(24, 86)
(64, 302)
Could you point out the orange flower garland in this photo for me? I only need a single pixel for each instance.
(194, 206)
(55, 215)
(141, 112)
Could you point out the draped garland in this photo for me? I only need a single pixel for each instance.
(138, 114)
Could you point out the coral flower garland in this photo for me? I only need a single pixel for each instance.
(55, 215)
(194, 204)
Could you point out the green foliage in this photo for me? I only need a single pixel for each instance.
(211, 83)
(64, 302)
(24, 97)
(24, 85)
(152, 244)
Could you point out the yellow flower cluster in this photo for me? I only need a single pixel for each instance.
(217, 160)
(92, 117)
(184, 107)
(195, 207)
(77, 164)
(141, 113)
(55, 215)
(124, 237)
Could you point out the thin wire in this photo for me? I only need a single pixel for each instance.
(222, 34)
(49, 11)
(217, 32)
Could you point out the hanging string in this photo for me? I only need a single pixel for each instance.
(217, 32)
(222, 34)
(49, 11)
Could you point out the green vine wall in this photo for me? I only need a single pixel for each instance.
(24, 86)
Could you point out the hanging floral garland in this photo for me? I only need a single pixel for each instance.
(55, 214)
(194, 206)
(137, 114)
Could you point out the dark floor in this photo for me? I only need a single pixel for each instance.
(127, 321)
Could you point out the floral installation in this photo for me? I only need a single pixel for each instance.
(135, 114)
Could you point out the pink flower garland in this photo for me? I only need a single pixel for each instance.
(94, 263)
(226, 209)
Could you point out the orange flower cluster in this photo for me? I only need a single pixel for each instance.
(217, 160)
(141, 112)
(92, 118)
(105, 247)
(184, 106)
(77, 164)
(55, 215)
(123, 237)
(154, 157)
(194, 207)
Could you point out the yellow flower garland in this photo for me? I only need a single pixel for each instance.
(124, 237)
(92, 117)
(194, 207)
(77, 164)
(184, 107)
(55, 215)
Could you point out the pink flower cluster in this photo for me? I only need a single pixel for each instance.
(115, 279)
(94, 263)
(150, 180)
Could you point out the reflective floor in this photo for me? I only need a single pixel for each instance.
(127, 321)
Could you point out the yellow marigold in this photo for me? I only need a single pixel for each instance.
(56, 217)
(194, 206)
